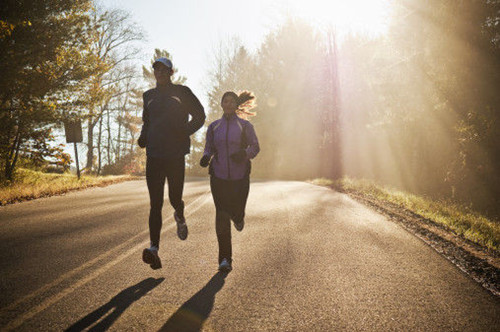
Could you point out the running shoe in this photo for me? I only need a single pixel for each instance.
(239, 222)
(182, 229)
(150, 256)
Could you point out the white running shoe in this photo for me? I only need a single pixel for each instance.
(225, 266)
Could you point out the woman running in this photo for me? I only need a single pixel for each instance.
(230, 144)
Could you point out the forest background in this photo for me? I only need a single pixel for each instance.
(417, 108)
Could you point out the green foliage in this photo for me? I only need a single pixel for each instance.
(38, 150)
(43, 55)
(41, 36)
(421, 104)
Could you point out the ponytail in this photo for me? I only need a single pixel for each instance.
(246, 102)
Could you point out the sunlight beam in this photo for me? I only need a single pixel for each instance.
(355, 16)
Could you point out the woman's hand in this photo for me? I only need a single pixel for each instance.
(204, 161)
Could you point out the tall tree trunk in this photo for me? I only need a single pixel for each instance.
(132, 143)
(90, 144)
(99, 139)
(109, 138)
(334, 126)
(13, 149)
(337, 155)
(119, 141)
(8, 160)
(12, 159)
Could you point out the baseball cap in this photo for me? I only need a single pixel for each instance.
(164, 61)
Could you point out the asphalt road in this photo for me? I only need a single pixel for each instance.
(309, 259)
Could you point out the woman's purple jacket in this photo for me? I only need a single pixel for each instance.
(225, 136)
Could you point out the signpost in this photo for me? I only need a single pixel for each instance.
(73, 130)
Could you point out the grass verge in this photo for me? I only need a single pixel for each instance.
(454, 217)
(33, 184)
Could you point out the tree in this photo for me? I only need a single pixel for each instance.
(288, 76)
(114, 37)
(43, 54)
(421, 103)
(123, 155)
(453, 47)
(290, 85)
(330, 111)
(128, 106)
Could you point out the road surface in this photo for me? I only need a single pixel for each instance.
(309, 259)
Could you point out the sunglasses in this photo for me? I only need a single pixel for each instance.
(162, 69)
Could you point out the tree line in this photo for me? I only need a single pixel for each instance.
(416, 108)
(60, 61)
(421, 104)
(294, 74)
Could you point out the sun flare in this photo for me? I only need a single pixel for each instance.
(356, 16)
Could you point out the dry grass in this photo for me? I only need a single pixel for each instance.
(321, 182)
(32, 184)
(457, 218)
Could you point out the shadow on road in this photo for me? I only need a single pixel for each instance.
(117, 304)
(193, 313)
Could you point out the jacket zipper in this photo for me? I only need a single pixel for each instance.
(227, 149)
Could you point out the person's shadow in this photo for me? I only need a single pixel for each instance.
(117, 304)
(193, 313)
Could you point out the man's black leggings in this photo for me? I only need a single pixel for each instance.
(156, 172)
(230, 198)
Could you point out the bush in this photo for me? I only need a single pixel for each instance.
(56, 169)
(132, 164)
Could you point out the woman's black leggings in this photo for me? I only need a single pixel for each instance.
(230, 198)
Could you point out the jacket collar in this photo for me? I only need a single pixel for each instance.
(164, 87)
(229, 117)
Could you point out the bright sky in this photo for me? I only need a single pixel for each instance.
(191, 29)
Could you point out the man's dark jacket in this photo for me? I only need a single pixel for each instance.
(166, 129)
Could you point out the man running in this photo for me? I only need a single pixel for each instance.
(165, 135)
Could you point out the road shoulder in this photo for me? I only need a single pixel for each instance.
(480, 263)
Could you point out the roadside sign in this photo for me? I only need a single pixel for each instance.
(73, 130)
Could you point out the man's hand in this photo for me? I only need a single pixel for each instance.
(204, 161)
(142, 141)
(239, 157)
